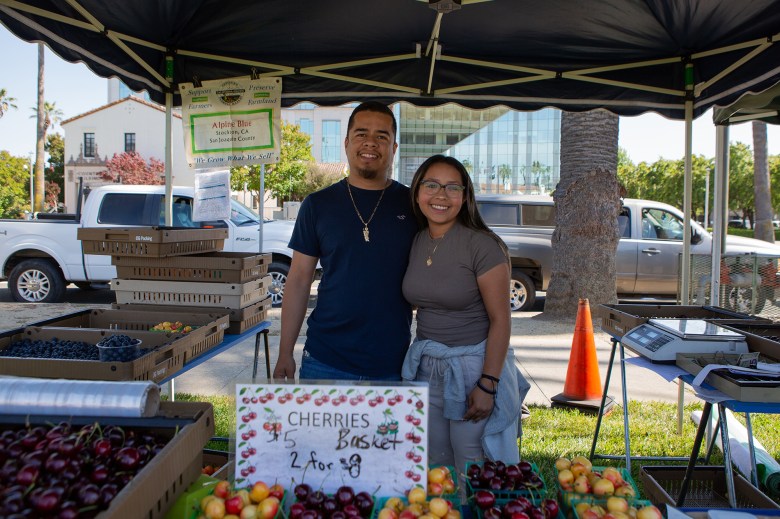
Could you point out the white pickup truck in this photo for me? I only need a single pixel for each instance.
(40, 257)
(647, 260)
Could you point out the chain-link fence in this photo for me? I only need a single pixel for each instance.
(749, 284)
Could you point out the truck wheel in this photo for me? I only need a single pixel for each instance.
(36, 281)
(522, 294)
(278, 271)
(740, 299)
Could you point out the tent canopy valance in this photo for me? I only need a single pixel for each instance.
(629, 56)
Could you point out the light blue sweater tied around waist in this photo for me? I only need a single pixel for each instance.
(503, 426)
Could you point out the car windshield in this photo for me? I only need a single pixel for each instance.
(242, 215)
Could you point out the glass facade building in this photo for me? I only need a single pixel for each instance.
(505, 151)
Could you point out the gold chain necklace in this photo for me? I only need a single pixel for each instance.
(364, 222)
(429, 261)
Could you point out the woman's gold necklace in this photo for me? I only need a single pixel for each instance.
(365, 222)
(438, 241)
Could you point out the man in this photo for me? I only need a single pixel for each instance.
(360, 230)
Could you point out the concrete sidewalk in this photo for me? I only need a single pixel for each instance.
(542, 349)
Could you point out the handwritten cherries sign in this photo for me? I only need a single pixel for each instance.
(371, 437)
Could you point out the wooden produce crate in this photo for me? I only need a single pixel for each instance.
(742, 387)
(241, 319)
(208, 329)
(217, 295)
(161, 362)
(707, 488)
(213, 267)
(157, 486)
(154, 242)
(761, 337)
(617, 320)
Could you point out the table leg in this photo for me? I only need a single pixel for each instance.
(264, 333)
(729, 470)
(680, 405)
(752, 448)
(603, 400)
(171, 391)
(626, 428)
(705, 418)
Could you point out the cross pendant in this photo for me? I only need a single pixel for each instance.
(365, 232)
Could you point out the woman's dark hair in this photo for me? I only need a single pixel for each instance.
(469, 214)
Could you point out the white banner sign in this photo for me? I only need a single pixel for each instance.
(232, 122)
(368, 437)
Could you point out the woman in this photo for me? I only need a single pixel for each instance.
(458, 277)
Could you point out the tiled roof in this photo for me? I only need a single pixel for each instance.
(119, 101)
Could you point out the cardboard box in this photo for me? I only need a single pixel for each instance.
(156, 365)
(209, 329)
(217, 295)
(742, 388)
(241, 319)
(707, 488)
(213, 267)
(155, 488)
(157, 242)
(761, 337)
(617, 320)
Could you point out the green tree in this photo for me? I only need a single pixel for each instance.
(285, 179)
(55, 173)
(6, 102)
(741, 194)
(14, 182)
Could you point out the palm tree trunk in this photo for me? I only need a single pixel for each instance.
(41, 137)
(587, 204)
(762, 229)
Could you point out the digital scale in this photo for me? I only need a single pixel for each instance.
(660, 340)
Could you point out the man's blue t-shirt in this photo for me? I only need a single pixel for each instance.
(361, 323)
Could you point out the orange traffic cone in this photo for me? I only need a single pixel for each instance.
(583, 383)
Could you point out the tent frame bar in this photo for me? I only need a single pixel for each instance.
(433, 51)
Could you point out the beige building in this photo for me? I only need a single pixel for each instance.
(127, 125)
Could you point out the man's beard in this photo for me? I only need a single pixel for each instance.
(370, 174)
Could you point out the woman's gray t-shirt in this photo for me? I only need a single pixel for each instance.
(449, 305)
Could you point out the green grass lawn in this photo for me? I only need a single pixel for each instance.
(551, 433)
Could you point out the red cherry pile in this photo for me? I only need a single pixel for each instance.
(517, 508)
(69, 471)
(496, 475)
(343, 504)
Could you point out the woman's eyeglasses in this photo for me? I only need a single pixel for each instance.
(431, 187)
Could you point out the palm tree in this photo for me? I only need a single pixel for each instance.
(6, 102)
(762, 224)
(48, 115)
(587, 204)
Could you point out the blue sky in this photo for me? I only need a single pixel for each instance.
(76, 90)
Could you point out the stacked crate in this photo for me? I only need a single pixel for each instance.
(182, 270)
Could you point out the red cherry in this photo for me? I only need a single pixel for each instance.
(325, 398)
(416, 478)
(380, 399)
(419, 404)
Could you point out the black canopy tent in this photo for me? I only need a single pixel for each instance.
(674, 57)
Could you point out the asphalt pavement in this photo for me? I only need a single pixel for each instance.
(542, 351)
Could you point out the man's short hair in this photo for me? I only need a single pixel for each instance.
(373, 106)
